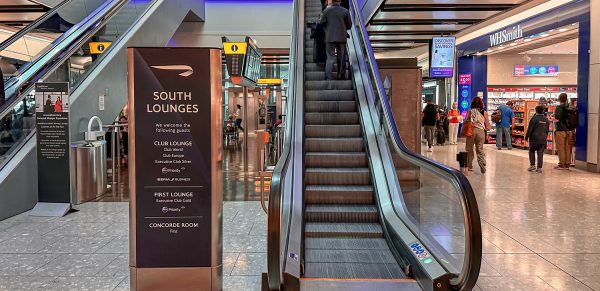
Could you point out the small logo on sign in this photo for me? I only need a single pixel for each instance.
(188, 71)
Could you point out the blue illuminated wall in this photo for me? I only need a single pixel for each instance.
(476, 66)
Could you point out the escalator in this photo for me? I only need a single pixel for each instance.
(67, 56)
(351, 208)
(343, 237)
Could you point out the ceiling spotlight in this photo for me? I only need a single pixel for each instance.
(562, 30)
(527, 40)
(490, 50)
(479, 53)
(501, 47)
(513, 44)
(551, 30)
(544, 34)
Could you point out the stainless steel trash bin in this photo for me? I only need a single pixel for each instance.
(89, 166)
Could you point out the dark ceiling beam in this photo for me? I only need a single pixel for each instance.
(446, 7)
(22, 8)
(423, 21)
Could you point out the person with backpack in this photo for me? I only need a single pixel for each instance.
(566, 121)
(429, 118)
(537, 133)
(504, 117)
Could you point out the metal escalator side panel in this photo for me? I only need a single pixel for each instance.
(284, 234)
(384, 125)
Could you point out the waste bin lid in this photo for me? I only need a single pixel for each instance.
(87, 144)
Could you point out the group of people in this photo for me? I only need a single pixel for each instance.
(536, 135)
(439, 123)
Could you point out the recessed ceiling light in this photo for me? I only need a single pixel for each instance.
(501, 47)
(490, 50)
(479, 53)
(513, 44)
(551, 30)
(527, 40)
(543, 34)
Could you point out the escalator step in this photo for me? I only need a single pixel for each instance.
(330, 106)
(337, 176)
(341, 213)
(333, 194)
(354, 271)
(329, 95)
(346, 243)
(309, 66)
(353, 230)
(332, 131)
(345, 144)
(339, 118)
(335, 160)
(349, 256)
(328, 85)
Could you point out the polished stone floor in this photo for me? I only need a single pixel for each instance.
(540, 231)
(88, 250)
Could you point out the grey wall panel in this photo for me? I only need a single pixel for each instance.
(154, 29)
(18, 184)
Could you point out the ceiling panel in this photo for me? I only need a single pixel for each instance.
(20, 12)
(405, 22)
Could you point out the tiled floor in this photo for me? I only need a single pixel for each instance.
(88, 250)
(540, 231)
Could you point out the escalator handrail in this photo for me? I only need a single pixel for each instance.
(20, 85)
(274, 252)
(31, 26)
(472, 259)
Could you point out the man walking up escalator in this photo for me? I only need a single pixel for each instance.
(336, 20)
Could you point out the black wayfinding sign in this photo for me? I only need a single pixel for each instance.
(172, 179)
(52, 132)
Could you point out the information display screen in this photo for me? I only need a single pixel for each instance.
(252, 63)
(441, 57)
(536, 71)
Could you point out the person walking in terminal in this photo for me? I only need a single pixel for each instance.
(429, 118)
(537, 134)
(504, 127)
(479, 117)
(336, 21)
(563, 134)
(238, 117)
(454, 119)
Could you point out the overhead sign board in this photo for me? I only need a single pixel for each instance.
(234, 48)
(269, 82)
(536, 71)
(441, 57)
(97, 48)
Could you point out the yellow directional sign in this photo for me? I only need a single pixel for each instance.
(235, 48)
(97, 48)
(269, 82)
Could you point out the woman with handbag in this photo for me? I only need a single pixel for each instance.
(474, 127)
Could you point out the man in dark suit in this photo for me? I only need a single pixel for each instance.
(336, 20)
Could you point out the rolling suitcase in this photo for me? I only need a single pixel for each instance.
(440, 136)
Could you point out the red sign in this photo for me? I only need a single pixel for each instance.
(519, 70)
(464, 79)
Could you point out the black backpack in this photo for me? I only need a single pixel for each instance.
(571, 118)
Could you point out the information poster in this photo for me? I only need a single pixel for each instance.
(52, 124)
(464, 89)
(172, 143)
(442, 57)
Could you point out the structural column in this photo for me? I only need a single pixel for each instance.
(593, 150)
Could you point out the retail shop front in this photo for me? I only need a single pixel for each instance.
(530, 63)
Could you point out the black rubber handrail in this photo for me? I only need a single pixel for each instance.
(467, 278)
